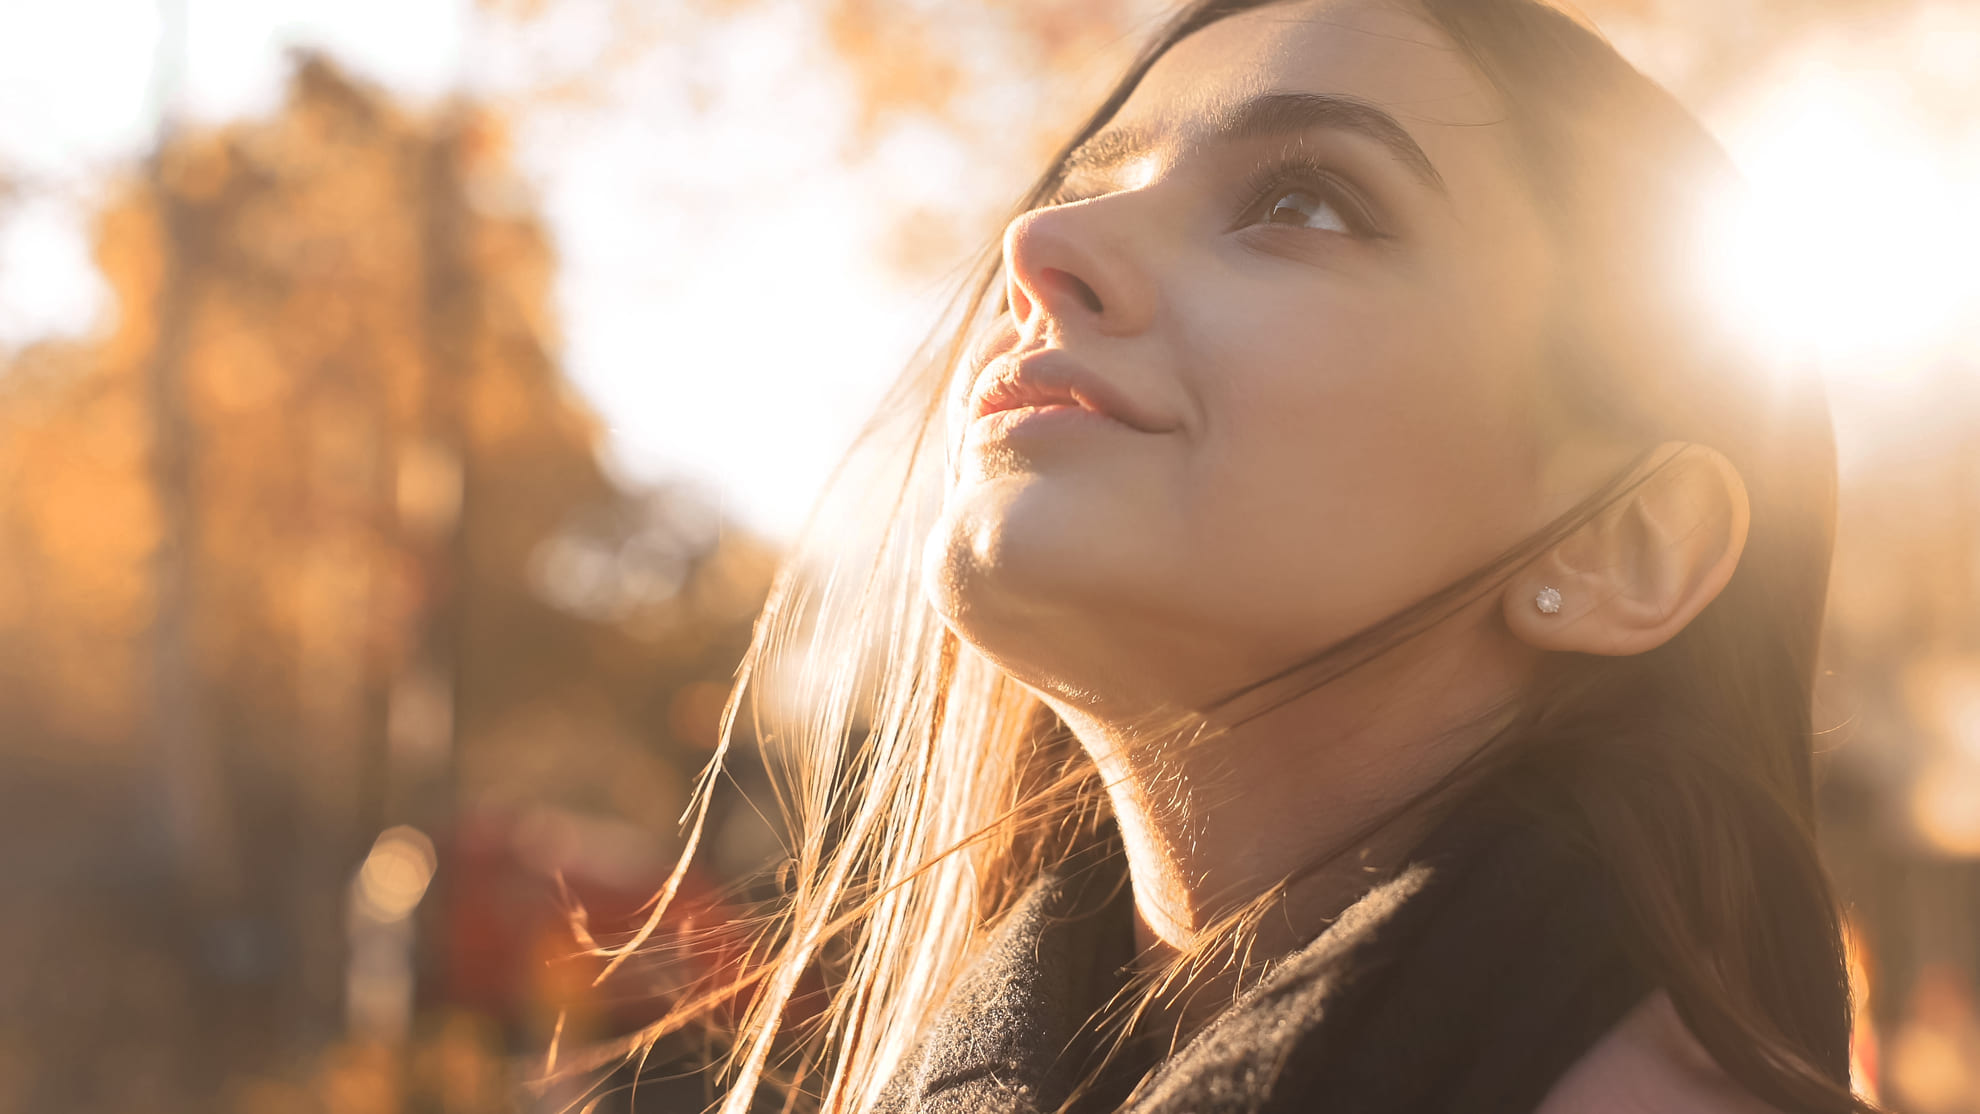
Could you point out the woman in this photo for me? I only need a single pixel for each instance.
(1341, 631)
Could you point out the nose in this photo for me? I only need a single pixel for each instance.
(1075, 266)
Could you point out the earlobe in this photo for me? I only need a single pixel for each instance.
(1631, 577)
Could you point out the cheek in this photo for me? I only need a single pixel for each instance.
(1354, 462)
(1355, 395)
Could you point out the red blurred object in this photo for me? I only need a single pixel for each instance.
(509, 948)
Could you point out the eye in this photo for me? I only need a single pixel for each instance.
(1305, 209)
(1298, 193)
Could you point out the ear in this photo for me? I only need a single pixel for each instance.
(1635, 574)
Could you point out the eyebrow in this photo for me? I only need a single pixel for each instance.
(1269, 115)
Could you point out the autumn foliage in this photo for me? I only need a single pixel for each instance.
(315, 539)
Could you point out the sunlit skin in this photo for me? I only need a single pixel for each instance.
(1338, 384)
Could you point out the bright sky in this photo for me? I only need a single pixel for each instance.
(723, 302)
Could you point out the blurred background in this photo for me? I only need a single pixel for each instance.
(403, 405)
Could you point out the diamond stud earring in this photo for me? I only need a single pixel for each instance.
(1548, 601)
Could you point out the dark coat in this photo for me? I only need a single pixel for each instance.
(1468, 982)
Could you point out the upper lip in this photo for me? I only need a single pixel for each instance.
(1049, 377)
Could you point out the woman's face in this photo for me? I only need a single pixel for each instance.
(1268, 371)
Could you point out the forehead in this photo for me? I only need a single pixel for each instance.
(1386, 54)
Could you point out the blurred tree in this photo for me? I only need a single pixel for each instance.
(315, 541)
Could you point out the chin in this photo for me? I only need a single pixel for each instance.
(1040, 580)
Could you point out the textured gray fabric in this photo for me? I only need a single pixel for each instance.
(1006, 1041)
(1466, 983)
(1232, 1064)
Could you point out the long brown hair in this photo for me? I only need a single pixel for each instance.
(923, 789)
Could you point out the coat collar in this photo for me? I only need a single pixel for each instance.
(1011, 1038)
(1469, 981)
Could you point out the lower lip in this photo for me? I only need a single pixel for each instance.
(1039, 419)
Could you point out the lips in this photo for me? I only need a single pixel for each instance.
(1049, 378)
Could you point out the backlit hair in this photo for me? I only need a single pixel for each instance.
(923, 789)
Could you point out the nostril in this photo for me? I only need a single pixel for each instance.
(1077, 287)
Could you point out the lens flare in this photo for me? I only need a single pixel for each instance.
(1857, 244)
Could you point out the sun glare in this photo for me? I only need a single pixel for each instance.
(1857, 243)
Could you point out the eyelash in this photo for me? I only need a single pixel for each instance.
(1303, 174)
(1288, 174)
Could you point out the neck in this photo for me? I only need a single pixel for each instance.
(1213, 823)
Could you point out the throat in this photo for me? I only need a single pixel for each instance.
(1244, 843)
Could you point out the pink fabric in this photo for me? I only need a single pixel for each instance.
(1649, 1064)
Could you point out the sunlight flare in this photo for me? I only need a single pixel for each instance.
(1857, 245)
